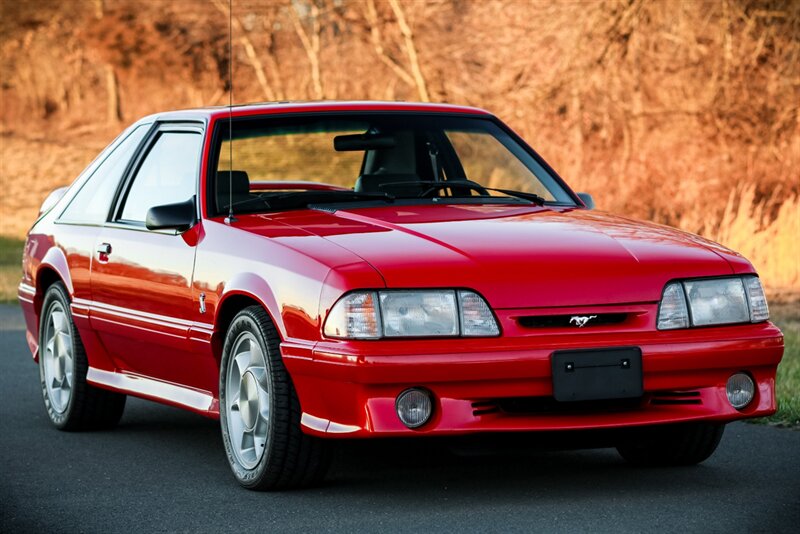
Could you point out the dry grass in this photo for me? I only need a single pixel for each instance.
(10, 268)
(32, 167)
(770, 242)
(787, 385)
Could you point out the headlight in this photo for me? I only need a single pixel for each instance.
(417, 313)
(411, 313)
(716, 301)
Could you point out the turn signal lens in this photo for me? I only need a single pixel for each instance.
(759, 311)
(673, 312)
(477, 318)
(355, 316)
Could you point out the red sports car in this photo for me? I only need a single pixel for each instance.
(313, 271)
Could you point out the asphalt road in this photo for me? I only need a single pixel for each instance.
(164, 470)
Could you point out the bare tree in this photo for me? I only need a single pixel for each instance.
(311, 43)
(411, 50)
(250, 51)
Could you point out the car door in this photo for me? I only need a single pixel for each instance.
(81, 222)
(141, 280)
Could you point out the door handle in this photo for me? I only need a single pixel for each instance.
(104, 249)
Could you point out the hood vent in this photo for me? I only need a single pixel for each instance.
(572, 321)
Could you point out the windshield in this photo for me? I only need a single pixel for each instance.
(289, 163)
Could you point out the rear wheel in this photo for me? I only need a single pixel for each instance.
(260, 412)
(71, 403)
(684, 444)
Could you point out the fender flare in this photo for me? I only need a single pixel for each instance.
(55, 260)
(255, 287)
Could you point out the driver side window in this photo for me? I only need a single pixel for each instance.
(168, 174)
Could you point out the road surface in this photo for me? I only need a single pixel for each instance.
(164, 470)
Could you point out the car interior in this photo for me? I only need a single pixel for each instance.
(399, 163)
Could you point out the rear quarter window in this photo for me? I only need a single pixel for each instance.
(91, 205)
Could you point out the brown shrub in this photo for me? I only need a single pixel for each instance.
(685, 113)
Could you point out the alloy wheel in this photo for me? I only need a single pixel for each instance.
(248, 401)
(58, 358)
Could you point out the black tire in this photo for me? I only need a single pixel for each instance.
(87, 407)
(671, 445)
(291, 459)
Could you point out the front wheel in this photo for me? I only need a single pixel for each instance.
(684, 444)
(260, 412)
(71, 402)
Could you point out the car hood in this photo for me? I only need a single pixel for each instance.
(518, 257)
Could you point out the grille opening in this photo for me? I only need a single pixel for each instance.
(676, 398)
(546, 405)
(484, 407)
(543, 405)
(567, 321)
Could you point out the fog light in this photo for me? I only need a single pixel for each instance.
(741, 390)
(414, 407)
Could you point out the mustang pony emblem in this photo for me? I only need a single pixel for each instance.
(581, 320)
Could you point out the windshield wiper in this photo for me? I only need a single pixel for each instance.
(533, 197)
(299, 199)
(469, 184)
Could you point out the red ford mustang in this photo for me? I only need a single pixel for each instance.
(336, 270)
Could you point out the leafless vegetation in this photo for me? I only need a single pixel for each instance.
(685, 113)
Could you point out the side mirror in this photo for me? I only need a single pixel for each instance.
(587, 199)
(179, 216)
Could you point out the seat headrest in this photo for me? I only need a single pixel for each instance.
(240, 183)
(388, 183)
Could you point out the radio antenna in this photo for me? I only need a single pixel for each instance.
(230, 218)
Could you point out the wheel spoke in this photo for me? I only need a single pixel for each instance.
(257, 359)
(260, 375)
(242, 361)
(64, 343)
(248, 443)
(259, 438)
(59, 321)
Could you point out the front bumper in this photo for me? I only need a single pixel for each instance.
(349, 389)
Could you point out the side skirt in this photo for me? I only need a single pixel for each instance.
(195, 400)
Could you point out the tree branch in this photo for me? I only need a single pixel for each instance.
(411, 50)
(250, 51)
(311, 46)
(375, 37)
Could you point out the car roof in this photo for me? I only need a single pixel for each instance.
(269, 108)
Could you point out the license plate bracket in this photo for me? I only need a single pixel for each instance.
(596, 374)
